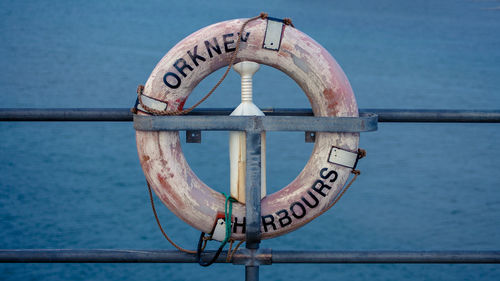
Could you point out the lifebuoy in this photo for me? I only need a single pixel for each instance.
(288, 50)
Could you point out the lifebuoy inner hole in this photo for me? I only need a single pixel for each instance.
(287, 152)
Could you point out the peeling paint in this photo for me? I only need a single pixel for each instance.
(300, 63)
(326, 87)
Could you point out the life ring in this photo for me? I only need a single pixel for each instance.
(288, 50)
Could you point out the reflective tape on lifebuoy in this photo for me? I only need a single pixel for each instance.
(266, 42)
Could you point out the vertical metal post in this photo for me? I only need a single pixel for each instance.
(251, 273)
(253, 215)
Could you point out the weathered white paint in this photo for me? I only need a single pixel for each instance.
(301, 58)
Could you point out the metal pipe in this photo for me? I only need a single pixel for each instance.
(172, 256)
(251, 273)
(253, 180)
(253, 193)
(124, 114)
(438, 115)
(386, 257)
(65, 114)
(101, 256)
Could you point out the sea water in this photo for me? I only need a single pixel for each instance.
(80, 186)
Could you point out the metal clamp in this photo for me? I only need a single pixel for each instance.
(253, 257)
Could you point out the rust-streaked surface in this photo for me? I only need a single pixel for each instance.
(309, 65)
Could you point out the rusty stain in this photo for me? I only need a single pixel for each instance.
(331, 100)
(174, 197)
(181, 103)
(145, 158)
(159, 146)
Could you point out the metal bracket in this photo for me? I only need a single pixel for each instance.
(363, 123)
(193, 136)
(310, 136)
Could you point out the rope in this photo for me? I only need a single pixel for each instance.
(161, 228)
(231, 253)
(140, 88)
(228, 215)
(231, 242)
(228, 207)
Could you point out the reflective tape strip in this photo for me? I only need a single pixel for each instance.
(153, 103)
(343, 157)
(272, 39)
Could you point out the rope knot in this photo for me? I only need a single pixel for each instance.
(140, 89)
(361, 153)
(263, 15)
(288, 21)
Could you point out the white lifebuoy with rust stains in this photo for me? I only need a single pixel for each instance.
(290, 51)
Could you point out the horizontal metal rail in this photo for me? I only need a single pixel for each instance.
(387, 257)
(264, 256)
(124, 114)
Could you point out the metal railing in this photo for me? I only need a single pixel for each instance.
(124, 114)
(265, 256)
(252, 257)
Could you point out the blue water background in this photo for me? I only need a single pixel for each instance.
(80, 185)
